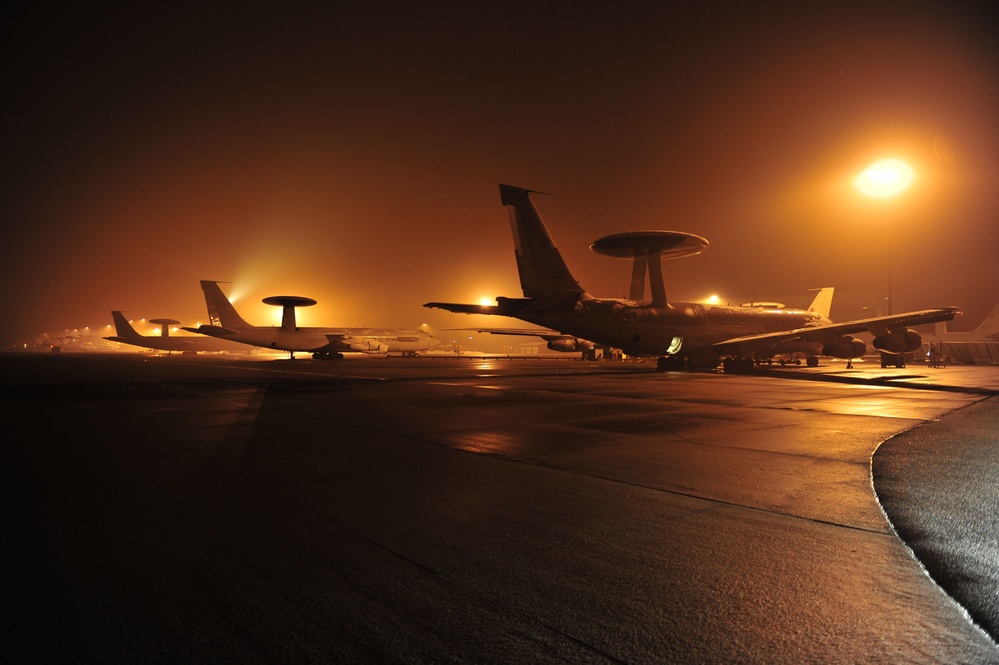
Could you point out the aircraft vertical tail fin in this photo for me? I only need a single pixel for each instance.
(541, 267)
(121, 325)
(822, 303)
(990, 325)
(220, 310)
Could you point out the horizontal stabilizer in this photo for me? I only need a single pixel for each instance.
(461, 308)
(504, 307)
(556, 302)
(212, 331)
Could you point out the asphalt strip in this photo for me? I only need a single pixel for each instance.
(939, 486)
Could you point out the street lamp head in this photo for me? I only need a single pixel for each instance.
(885, 178)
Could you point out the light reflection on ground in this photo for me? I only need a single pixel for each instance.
(495, 443)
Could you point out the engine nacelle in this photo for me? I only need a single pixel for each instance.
(898, 341)
(366, 345)
(569, 344)
(845, 347)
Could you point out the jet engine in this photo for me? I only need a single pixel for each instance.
(846, 347)
(366, 345)
(898, 341)
(569, 344)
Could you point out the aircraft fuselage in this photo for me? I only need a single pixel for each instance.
(645, 330)
(315, 339)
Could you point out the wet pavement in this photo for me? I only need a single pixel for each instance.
(211, 509)
(939, 486)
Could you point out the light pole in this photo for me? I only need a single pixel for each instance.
(883, 180)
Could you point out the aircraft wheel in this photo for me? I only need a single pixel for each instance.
(812, 361)
(670, 363)
(746, 364)
(782, 362)
(729, 365)
(797, 361)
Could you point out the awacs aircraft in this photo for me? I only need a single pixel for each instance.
(789, 352)
(324, 343)
(166, 342)
(681, 334)
(987, 331)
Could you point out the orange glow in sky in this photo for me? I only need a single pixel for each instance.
(353, 155)
(885, 178)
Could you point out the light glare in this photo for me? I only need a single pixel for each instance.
(885, 178)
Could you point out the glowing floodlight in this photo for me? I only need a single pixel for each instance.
(885, 178)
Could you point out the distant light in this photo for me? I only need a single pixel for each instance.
(485, 301)
(712, 300)
(885, 178)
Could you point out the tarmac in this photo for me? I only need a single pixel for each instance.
(234, 509)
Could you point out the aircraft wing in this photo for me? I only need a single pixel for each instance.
(556, 341)
(877, 326)
(544, 333)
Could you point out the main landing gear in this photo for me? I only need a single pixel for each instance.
(327, 355)
(671, 363)
(730, 365)
(740, 365)
(892, 360)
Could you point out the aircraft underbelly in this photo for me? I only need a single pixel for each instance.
(291, 341)
(633, 339)
(657, 333)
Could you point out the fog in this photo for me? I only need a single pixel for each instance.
(352, 155)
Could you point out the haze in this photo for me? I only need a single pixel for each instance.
(352, 155)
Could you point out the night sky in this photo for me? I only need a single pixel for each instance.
(352, 154)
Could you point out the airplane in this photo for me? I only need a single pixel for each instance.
(126, 334)
(789, 352)
(322, 343)
(681, 334)
(987, 331)
(978, 346)
(792, 350)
